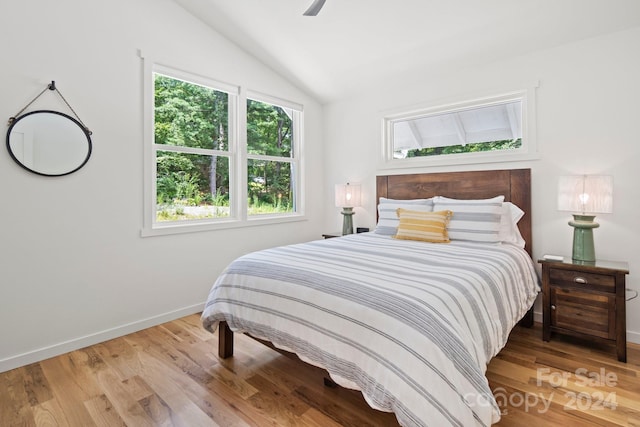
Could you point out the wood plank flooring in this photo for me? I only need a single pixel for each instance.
(169, 375)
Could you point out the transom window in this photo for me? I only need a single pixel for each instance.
(491, 129)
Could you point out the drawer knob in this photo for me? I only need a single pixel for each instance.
(580, 280)
(553, 307)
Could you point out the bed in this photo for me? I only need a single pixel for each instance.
(412, 325)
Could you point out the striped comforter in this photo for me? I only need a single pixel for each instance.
(410, 324)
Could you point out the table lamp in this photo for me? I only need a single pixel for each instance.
(348, 196)
(585, 195)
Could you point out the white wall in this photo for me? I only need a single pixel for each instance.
(588, 111)
(73, 267)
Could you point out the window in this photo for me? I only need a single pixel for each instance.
(191, 144)
(271, 158)
(499, 128)
(210, 165)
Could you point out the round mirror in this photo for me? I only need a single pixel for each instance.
(49, 143)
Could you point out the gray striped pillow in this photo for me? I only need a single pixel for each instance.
(476, 220)
(388, 218)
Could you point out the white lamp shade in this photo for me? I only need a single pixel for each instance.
(585, 193)
(348, 195)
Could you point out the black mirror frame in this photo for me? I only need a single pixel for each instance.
(80, 125)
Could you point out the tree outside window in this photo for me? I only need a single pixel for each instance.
(270, 155)
(493, 128)
(199, 162)
(191, 128)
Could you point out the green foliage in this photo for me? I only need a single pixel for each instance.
(468, 148)
(270, 183)
(269, 132)
(258, 207)
(190, 115)
(269, 129)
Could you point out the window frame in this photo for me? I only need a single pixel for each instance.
(294, 159)
(527, 151)
(237, 154)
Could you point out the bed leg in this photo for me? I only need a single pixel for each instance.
(225, 340)
(328, 382)
(527, 320)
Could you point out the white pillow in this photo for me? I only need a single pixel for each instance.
(387, 213)
(509, 231)
(475, 220)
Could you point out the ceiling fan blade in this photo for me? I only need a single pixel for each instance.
(314, 8)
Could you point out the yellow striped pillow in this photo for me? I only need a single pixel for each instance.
(423, 226)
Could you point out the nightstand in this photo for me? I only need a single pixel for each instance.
(586, 300)
(330, 235)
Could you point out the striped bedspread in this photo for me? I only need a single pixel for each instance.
(410, 324)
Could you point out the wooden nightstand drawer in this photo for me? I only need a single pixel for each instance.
(587, 313)
(574, 278)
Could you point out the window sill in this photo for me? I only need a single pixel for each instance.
(197, 227)
(458, 159)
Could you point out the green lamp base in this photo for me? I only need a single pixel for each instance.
(583, 248)
(347, 223)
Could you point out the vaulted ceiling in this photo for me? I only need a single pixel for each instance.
(352, 44)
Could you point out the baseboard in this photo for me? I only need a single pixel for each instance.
(633, 337)
(81, 342)
(537, 316)
(75, 344)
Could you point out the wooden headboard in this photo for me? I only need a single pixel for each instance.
(514, 184)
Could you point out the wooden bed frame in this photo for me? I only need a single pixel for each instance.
(514, 184)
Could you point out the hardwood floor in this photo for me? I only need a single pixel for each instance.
(170, 375)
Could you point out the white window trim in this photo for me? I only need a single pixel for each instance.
(295, 159)
(237, 157)
(528, 150)
(268, 99)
